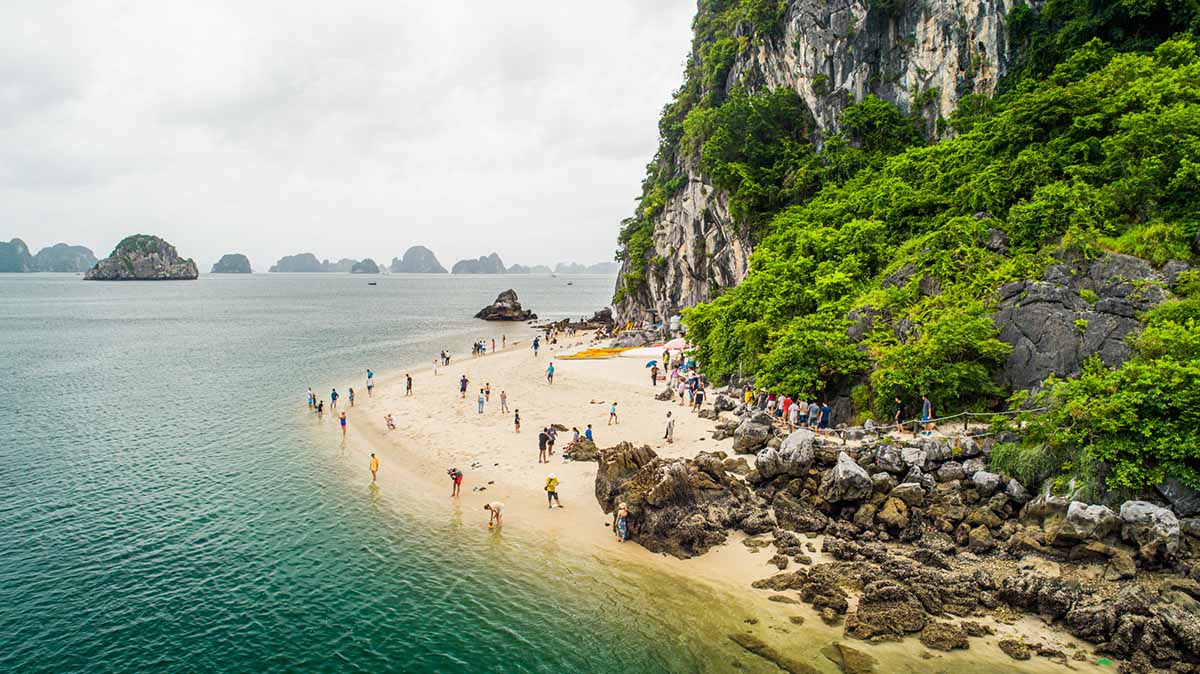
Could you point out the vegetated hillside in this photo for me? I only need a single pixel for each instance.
(888, 265)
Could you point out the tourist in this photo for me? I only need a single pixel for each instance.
(896, 418)
(794, 414)
(462, 386)
(552, 491)
(654, 375)
(482, 400)
(612, 414)
(553, 433)
(574, 436)
(620, 525)
(543, 438)
(503, 401)
(487, 391)
(312, 398)
(374, 466)
(493, 345)
(588, 433)
(669, 435)
(370, 383)
(550, 373)
(748, 395)
(786, 407)
(927, 414)
(666, 358)
(497, 517)
(826, 412)
(771, 402)
(456, 479)
(350, 396)
(536, 344)
(517, 421)
(407, 384)
(435, 367)
(390, 421)
(333, 396)
(698, 397)
(320, 407)
(342, 421)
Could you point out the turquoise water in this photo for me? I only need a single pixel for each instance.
(166, 506)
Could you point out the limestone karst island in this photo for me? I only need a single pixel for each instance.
(682, 337)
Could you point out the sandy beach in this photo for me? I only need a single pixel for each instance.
(438, 429)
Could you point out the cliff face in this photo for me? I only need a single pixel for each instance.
(143, 258)
(15, 257)
(64, 258)
(922, 57)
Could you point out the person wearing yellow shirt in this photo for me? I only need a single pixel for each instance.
(552, 491)
(374, 466)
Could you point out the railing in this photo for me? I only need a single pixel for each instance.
(882, 429)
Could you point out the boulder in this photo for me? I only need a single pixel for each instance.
(849, 660)
(911, 493)
(950, 471)
(506, 308)
(582, 450)
(915, 457)
(1083, 522)
(887, 610)
(1153, 528)
(888, 457)
(723, 403)
(986, 483)
(143, 258)
(884, 482)
(893, 514)
(972, 466)
(846, 481)
(1184, 500)
(798, 515)
(793, 458)
(1016, 492)
(944, 637)
(750, 436)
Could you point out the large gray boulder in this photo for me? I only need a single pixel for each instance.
(889, 458)
(986, 483)
(846, 481)
(793, 458)
(1084, 523)
(506, 308)
(1153, 528)
(1184, 500)
(723, 403)
(750, 436)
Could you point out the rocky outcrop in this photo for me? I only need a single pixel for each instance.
(300, 263)
(417, 260)
(506, 308)
(15, 257)
(492, 264)
(143, 258)
(1076, 311)
(232, 263)
(64, 258)
(366, 266)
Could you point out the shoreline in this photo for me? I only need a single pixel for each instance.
(437, 429)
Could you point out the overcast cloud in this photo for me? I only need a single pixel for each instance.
(351, 129)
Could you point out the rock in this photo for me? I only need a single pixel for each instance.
(667, 394)
(782, 599)
(760, 648)
(884, 483)
(894, 514)
(750, 436)
(58, 258)
(417, 260)
(779, 561)
(582, 450)
(793, 458)
(1184, 501)
(849, 660)
(491, 264)
(300, 263)
(635, 338)
(980, 540)
(886, 610)
(1016, 492)
(911, 493)
(986, 483)
(15, 257)
(950, 471)
(798, 515)
(944, 637)
(915, 457)
(1015, 648)
(888, 457)
(143, 258)
(1153, 528)
(232, 263)
(366, 266)
(1083, 523)
(506, 308)
(972, 466)
(723, 403)
(846, 481)
(1043, 506)
(1120, 566)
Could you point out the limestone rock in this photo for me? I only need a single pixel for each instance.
(367, 266)
(143, 258)
(846, 481)
(506, 308)
(944, 636)
(1153, 528)
(750, 436)
(232, 263)
(417, 260)
(793, 458)
(490, 264)
(60, 258)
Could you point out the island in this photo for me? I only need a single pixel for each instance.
(307, 263)
(232, 263)
(506, 308)
(366, 266)
(417, 260)
(143, 257)
(15, 257)
(492, 264)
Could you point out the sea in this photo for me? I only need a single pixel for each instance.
(167, 505)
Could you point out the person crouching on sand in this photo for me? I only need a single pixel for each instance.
(390, 421)
(496, 509)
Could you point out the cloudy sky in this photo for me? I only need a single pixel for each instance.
(350, 129)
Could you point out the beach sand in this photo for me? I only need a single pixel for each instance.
(437, 429)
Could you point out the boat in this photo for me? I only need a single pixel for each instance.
(372, 283)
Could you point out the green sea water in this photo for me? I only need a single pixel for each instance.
(166, 503)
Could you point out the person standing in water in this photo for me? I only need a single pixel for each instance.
(496, 518)
(374, 466)
(456, 479)
(342, 421)
(408, 384)
(550, 373)
(370, 383)
(552, 491)
(312, 398)
(350, 396)
(333, 396)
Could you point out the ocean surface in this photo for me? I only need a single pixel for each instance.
(165, 504)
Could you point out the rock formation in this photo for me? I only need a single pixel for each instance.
(15, 257)
(417, 260)
(366, 266)
(492, 264)
(506, 308)
(64, 258)
(142, 257)
(232, 263)
(302, 262)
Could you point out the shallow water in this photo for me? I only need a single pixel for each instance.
(165, 504)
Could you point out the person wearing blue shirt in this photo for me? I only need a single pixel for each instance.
(588, 433)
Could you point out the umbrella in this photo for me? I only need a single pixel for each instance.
(677, 344)
(652, 363)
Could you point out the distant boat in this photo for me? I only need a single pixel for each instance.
(570, 283)
(372, 283)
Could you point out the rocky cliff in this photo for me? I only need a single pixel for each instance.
(232, 263)
(142, 257)
(366, 266)
(308, 263)
(492, 264)
(923, 57)
(15, 257)
(417, 260)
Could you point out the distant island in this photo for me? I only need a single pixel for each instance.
(535, 269)
(492, 264)
(366, 266)
(567, 268)
(232, 263)
(417, 260)
(15, 258)
(308, 263)
(143, 257)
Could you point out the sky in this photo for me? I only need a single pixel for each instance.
(348, 129)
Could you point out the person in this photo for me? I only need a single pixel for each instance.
(552, 491)
(543, 438)
(536, 344)
(312, 398)
(408, 383)
(794, 415)
(462, 386)
(435, 366)
(899, 412)
(814, 414)
(620, 525)
(517, 421)
(350, 396)
(588, 433)
(503, 401)
(787, 407)
(826, 412)
(927, 414)
(553, 433)
(333, 396)
(497, 517)
(698, 400)
(456, 479)
(666, 358)
(550, 373)
(771, 401)
(503, 341)
(574, 436)
(669, 436)
(320, 407)
(342, 421)
(482, 400)
(748, 395)
(612, 414)
(374, 466)
(370, 383)
(487, 391)
(390, 421)
(654, 375)
(682, 391)
(493, 345)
